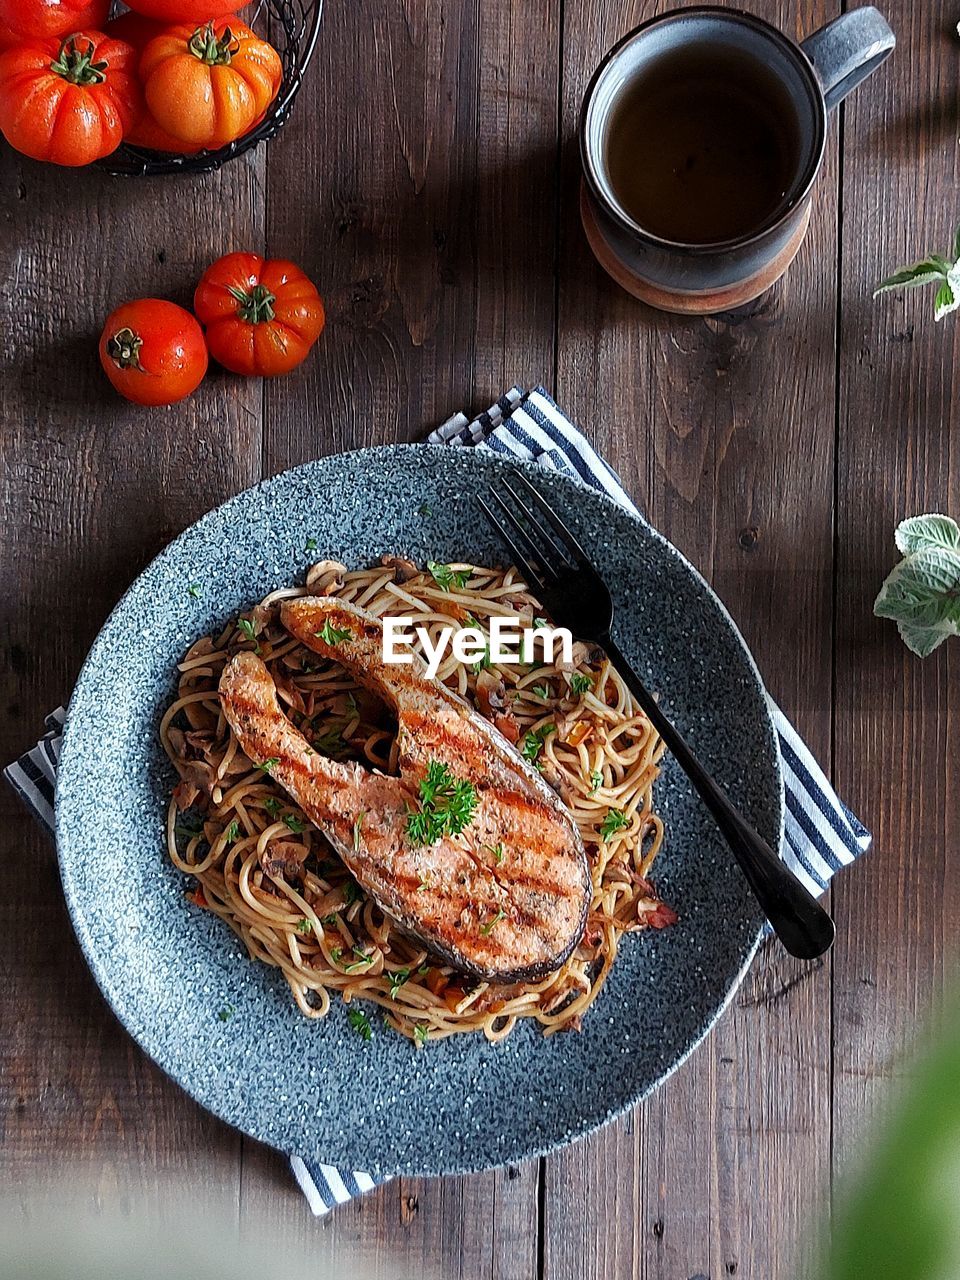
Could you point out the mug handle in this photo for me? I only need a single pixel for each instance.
(847, 50)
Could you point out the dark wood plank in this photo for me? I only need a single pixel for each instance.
(723, 430)
(430, 229)
(897, 720)
(92, 488)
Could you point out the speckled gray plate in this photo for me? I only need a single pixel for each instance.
(316, 1088)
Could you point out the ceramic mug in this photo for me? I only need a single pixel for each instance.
(811, 78)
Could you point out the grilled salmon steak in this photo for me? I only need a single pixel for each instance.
(504, 899)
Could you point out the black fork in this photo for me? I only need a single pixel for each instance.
(576, 597)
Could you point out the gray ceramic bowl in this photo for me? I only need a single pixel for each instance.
(225, 1028)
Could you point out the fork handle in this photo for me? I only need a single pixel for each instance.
(798, 919)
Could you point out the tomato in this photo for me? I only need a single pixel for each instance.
(210, 84)
(35, 19)
(68, 102)
(195, 11)
(145, 132)
(153, 351)
(261, 317)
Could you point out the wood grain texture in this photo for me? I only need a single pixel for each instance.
(899, 455)
(723, 430)
(92, 488)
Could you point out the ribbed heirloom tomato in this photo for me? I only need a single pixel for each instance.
(145, 132)
(68, 101)
(209, 85)
(153, 351)
(261, 317)
(35, 19)
(186, 10)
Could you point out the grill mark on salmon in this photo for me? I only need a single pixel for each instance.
(513, 921)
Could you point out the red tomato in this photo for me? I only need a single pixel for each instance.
(35, 19)
(8, 37)
(261, 317)
(186, 10)
(210, 84)
(68, 101)
(145, 132)
(153, 351)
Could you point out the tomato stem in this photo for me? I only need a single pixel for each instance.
(123, 348)
(212, 49)
(256, 306)
(77, 65)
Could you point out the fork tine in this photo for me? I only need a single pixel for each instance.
(558, 550)
(533, 578)
(570, 543)
(539, 553)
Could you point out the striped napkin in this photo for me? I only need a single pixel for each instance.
(821, 834)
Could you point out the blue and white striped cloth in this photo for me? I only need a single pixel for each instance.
(821, 835)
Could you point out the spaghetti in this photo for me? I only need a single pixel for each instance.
(273, 878)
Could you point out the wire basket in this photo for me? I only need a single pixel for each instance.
(293, 27)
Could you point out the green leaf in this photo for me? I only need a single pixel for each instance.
(360, 1023)
(926, 272)
(956, 246)
(923, 640)
(923, 590)
(946, 301)
(332, 635)
(615, 821)
(447, 578)
(920, 532)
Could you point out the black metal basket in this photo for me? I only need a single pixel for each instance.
(292, 27)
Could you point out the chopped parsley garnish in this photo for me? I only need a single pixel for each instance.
(362, 958)
(615, 821)
(543, 691)
(533, 741)
(447, 578)
(497, 851)
(249, 632)
(335, 954)
(420, 1034)
(351, 891)
(424, 509)
(397, 980)
(424, 884)
(360, 1023)
(311, 544)
(596, 780)
(447, 806)
(304, 925)
(352, 704)
(194, 590)
(233, 832)
(226, 1013)
(539, 624)
(296, 825)
(332, 635)
(580, 684)
(483, 662)
(356, 830)
(487, 929)
(268, 765)
(189, 826)
(272, 805)
(330, 742)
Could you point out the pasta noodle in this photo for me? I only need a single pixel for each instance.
(261, 867)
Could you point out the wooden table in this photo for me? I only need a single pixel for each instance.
(428, 183)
